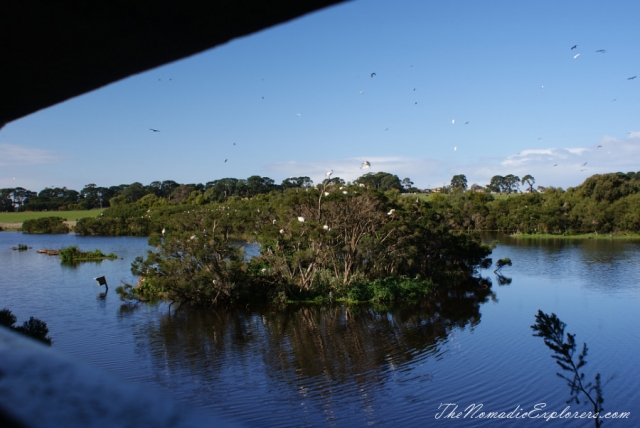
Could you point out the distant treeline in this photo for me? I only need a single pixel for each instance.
(606, 203)
(92, 196)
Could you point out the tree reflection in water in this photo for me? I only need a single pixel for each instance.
(302, 352)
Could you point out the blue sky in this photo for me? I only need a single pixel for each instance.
(298, 99)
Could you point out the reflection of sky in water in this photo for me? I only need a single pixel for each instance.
(382, 368)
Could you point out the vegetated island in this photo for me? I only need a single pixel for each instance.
(73, 254)
(333, 242)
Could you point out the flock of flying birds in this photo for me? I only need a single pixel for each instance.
(366, 164)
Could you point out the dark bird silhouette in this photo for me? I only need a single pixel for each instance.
(584, 164)
(466, 123)
(556, 165)
(154, 130)
(598, 147)
(573, 47)
(600, 51)
(631, 78)
(225, 161)
(373, 74)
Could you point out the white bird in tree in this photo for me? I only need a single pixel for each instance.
(301, 219)
(390, 212)
(328, 174)
(365, 164)
(325, 227)
(275, 221)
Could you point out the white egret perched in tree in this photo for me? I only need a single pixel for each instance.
(281, 231)
(163, 231)
(301, 219)
(365, 165)
(275, 221)
(328, 174)
(325, 227)
(390, 212)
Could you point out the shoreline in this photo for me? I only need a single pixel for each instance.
(628, 236)
(15, 227)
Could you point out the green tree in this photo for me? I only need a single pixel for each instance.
(497, 184)
(511, 183)
(530, 182)
(459, 183)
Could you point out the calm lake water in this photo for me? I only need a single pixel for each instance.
(338, 365)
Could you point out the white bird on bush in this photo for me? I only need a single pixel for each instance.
(390, 212)
(325, 227)
(192, 237)
(345, 192)
(275, 221)
(163, 230)
(326, 193)
(365, 164)
(301, 219)
(282, 231)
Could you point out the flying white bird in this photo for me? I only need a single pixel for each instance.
(453, 122)
(576, 56)
(365, 164)
(455, 148)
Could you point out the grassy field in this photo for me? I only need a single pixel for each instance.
(69, 215)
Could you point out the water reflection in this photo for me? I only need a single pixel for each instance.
(321, 352)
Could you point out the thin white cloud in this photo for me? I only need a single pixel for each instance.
(14, 155)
